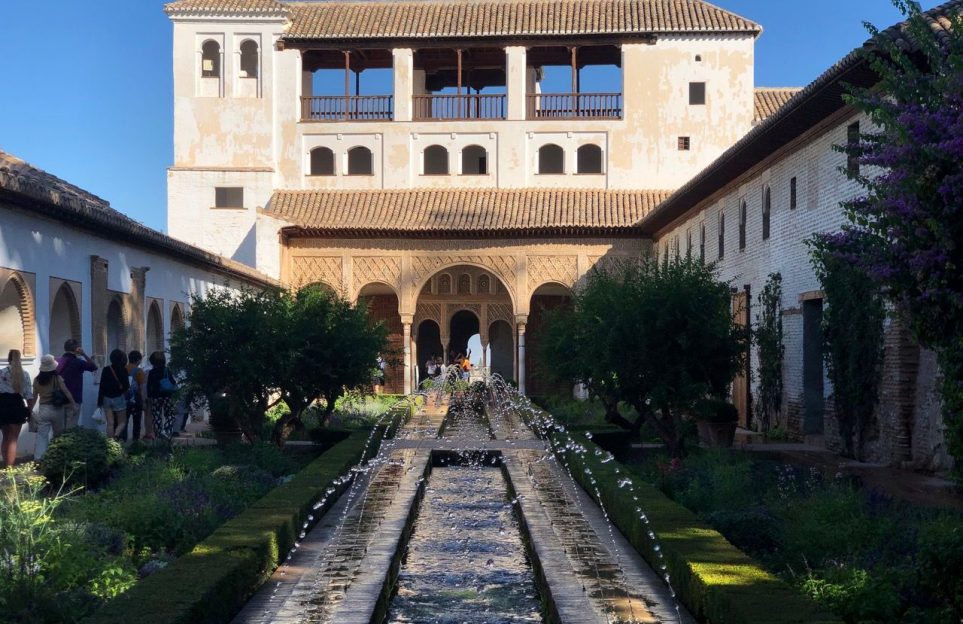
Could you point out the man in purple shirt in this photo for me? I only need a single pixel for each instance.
(71, 367)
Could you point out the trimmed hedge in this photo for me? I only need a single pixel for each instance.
(213, 581)
(716, 581)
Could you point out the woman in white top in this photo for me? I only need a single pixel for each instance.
(16, 402)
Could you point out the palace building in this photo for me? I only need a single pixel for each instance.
(461, 196)
(463, 164)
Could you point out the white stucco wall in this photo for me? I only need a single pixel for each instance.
(51, 251)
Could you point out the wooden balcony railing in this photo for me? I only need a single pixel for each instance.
(479, 106)
(351, 108)
(575, 105)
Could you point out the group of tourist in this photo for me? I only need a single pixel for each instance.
(435, 366)
(126, 392)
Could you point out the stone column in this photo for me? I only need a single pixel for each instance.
(404, 68)
(138, 284)
(98, 307)
(516, 86)
(521, 357)
(406, 341)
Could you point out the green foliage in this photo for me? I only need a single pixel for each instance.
(659, 337)
(868, 559)
(212, 581)
(51, 571)
(717, 582)
(852, 343)
(302, 345)
(768, 336)
(715, 410)
(81, 457)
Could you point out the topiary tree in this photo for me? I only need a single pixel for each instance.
(230, 352)
(660, 337)
(768, 336)
(852, 342)
(330, 346)
(904, 231)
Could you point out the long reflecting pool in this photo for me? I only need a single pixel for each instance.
(466, 561)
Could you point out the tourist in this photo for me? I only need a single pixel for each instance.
(466, 366)
(136, 394)
(379, 375)
(16, 403)
(71, 367)
(431, 368)
(160, 388)
(112, 394)
(53, 397)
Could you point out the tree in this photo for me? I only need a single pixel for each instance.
(660, 337)
(330, 345)
(229, 353)
(904, 231)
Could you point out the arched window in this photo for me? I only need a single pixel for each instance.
(16, 315)
(116, 331)
(211, 59)
(474, 160)
(464, 284)
(444, 284)
(766, 212)
(249, 59)
(484, 284)
(589, 159)
(64, 318)
(322, 162)
(360, 161)
(436, 160)
(177, 318)
(551, 159)
(155, 329)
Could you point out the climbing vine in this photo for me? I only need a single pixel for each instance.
(768, 337)
(852, 342)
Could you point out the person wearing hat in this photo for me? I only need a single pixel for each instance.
(52, 397)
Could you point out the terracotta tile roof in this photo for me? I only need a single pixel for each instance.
(449, 212)
(389, 19)
(812, 105)
(38, 191)
(422, 19)
(769, 100)
(220, 7)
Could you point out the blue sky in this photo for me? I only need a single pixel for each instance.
(86, 91)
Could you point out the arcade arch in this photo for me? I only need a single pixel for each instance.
(382, 302)
(64, 318)
(547, 297)
(155, 329)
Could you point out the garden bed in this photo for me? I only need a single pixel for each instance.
(865, 557)
(716, 581)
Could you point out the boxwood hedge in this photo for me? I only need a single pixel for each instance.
(716, 581)
(212, 582)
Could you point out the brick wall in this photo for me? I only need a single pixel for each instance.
(907, 428)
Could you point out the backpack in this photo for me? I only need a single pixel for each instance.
(166, 386)
(133, 393)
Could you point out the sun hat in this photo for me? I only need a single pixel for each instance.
(48, 363)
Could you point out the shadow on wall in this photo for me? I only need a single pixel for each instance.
(246, 252)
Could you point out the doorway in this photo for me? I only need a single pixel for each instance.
(813, 402)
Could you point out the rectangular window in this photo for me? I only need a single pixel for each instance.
(675, 244)
(684, 144)
(702, 242)
(852, 141)
(792, 194)
(688, 243)
(697, 93)
(722, 235)
(743, 210)
(229, 197)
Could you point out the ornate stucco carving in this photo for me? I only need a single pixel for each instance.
(310, 269)
(561, 269)
(427, 312)
(368, 269)
(424, 267)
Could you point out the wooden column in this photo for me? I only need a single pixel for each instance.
(574, 54)
(461, 113)
(347, 81)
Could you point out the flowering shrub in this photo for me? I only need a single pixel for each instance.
(904, 230)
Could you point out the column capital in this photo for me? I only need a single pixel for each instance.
(407, 319)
